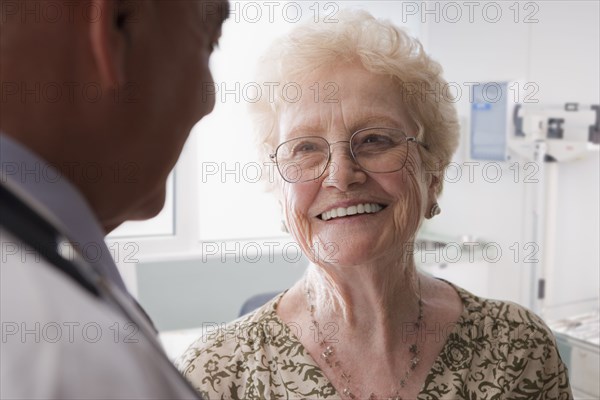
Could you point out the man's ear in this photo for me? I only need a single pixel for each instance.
(109, 35)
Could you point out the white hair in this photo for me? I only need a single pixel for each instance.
(381, 48)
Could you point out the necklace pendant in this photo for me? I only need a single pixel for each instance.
(348, 393)
(414, 363)
(328, 352)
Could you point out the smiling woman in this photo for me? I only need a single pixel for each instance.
(359, 172)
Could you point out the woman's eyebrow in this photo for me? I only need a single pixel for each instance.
(376, 121)
(303, 130)
(372, 121)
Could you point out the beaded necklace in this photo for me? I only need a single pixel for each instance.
(329, 356)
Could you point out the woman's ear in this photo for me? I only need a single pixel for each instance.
(432, 193)
(434, 184)
(110, 34)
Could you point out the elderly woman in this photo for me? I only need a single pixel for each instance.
(361, 155)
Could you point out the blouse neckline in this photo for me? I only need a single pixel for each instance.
(471, 312)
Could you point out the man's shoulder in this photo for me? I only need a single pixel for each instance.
(51, 323)
(37, 289)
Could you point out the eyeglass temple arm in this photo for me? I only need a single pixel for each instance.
(413, 139)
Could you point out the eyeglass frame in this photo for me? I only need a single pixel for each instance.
(413, 139)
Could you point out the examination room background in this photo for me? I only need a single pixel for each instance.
(217, 242)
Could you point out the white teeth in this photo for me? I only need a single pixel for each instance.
(368, 208)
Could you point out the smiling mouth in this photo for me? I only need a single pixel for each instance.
(364, 208)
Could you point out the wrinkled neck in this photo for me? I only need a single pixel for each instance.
(366, 297)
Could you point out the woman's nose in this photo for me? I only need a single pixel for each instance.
(342, 171)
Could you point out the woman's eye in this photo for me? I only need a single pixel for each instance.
(377, 139)
(305, 148)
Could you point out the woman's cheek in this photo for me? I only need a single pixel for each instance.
(407, 211)
(297, 218)
(407, 214)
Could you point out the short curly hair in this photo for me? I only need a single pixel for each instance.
(381, 48)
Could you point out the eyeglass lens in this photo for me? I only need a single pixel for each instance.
(377, 150)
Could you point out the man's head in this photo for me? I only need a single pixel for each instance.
(107, 91)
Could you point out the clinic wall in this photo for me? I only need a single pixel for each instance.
(191, 292)
(560, 54)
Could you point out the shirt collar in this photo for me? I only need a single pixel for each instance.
(45, 189)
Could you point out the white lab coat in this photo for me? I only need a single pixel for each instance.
(60, 341)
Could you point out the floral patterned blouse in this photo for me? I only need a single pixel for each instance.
(496, 350)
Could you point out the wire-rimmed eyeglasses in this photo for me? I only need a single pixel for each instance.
(377, 150)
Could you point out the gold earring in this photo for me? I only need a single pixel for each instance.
(435, 210)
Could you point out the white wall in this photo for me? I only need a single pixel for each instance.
(559, 54)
